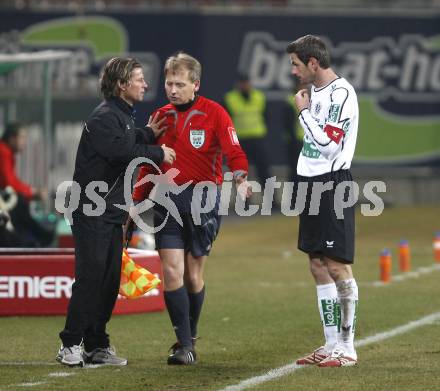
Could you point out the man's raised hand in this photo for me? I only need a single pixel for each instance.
(157, 125)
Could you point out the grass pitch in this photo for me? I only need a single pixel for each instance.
(260, 313)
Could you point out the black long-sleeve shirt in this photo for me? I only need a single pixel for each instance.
(109, 142)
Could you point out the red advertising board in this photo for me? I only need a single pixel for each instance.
(39, 282)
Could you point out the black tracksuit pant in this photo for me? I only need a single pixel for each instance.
(98, 255)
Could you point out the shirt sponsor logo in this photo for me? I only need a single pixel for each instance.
(334, 113)
(197, 137)
(317, 108)
(310, 151)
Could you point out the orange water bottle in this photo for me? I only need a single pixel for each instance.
(404, 256)
(385, 265)
(436, 247)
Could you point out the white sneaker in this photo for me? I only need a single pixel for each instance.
(71, 356)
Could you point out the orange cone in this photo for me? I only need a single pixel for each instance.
(385, 265)
(404, 256)
(436, 247)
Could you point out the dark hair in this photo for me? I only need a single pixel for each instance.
(310, 46)
(183, 60)
(116, 69)
(11, 130)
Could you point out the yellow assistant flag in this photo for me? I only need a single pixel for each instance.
(135, 279)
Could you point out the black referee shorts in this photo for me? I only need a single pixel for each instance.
(329, 230)
(198, 232)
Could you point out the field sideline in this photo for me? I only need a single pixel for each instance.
(261, 314)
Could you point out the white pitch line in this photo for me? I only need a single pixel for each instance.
(60, 374)
(429, 319)
(24, 363)
(51, 374)
(43, 363)
(290, 368)
(37, 383)
(93, 366)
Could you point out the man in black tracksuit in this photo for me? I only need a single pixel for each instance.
(108, 144)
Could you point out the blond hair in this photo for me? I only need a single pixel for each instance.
(182, 60)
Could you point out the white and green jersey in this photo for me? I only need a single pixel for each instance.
(330, 129)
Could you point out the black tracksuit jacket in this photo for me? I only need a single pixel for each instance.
(109, 142)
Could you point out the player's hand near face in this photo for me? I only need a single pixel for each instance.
(302, 100)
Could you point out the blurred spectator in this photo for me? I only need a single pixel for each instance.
(8, 236)
(5, 233)
(29, 230)
(247, 107)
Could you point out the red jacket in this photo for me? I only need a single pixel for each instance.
(7, 172)
(200, 136)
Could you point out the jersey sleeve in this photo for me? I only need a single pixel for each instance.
(236, 159)
(141, 190)
(329, 138)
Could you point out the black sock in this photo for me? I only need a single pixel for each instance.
(195, 308)
(178, 308)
